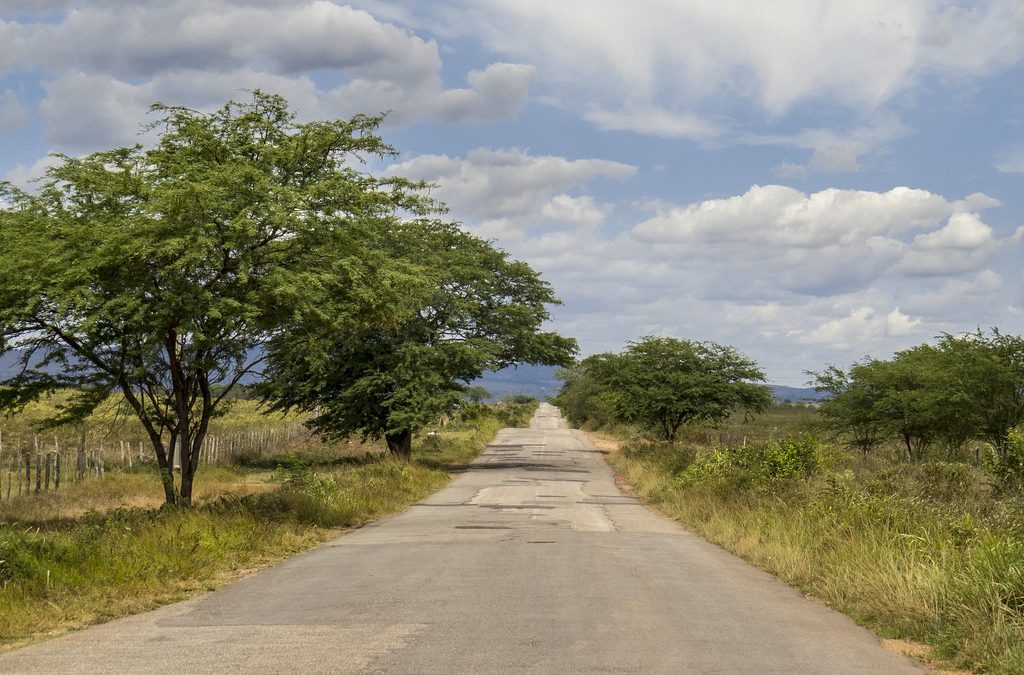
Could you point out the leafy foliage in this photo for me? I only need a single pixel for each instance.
(966, 387)
(474, 310)
(661, 383)
(162, 272)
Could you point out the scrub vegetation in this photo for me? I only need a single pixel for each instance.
(920, 540)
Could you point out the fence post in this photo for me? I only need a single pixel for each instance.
(80, 463)
(39, 467)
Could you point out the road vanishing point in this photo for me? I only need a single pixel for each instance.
(531, 561)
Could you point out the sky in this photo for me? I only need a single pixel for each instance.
(810, 181)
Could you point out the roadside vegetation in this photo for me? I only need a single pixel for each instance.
(102, 549)
(921, 540)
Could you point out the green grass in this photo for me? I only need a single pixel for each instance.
(927, 552)
(81, 556)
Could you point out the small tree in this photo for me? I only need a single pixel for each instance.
(585, 395)
(161, 273)
(475, 310)
(986, 373)
(850, 410)
(662, 383)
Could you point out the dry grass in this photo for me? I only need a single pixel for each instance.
(892, 545)
(102, 549)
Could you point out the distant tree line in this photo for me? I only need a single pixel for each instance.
(662, 384)
(963, 388)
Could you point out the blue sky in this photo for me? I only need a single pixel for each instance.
(809, 181)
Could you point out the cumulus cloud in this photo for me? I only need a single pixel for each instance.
(504, 190)
(832, 240)
(107, 61)
(833, 275)
(863, 326)
(577, 211)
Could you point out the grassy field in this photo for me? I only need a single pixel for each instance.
(931, 552)
(102, 549)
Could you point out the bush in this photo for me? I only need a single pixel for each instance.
(741, 468)
(790, 458)
(1009, 466)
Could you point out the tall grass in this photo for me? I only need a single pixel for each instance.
(925, 552)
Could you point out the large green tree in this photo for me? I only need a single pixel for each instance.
(662, 383)
(475, 310)
(156, 273)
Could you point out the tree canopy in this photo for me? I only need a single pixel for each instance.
(475, 310)
(159, 272)
(662, 383)
(966, 386)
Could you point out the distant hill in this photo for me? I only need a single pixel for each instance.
(536, 381)
(540, 382)
(797, 394)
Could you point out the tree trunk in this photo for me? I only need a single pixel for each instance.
(187, 478)
(400, 444)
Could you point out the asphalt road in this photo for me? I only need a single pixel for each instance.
(532, 561)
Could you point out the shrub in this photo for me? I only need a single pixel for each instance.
(790, 458)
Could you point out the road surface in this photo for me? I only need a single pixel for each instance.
(531, 561)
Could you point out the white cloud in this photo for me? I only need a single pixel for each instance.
(106, 62)
(510, 184)
(862, 327)
(858, 53)
(578, 211)
(13, 113)
(832, 151)
(776, 241)
(655, 121)
(23, 176)
(782, 216)
(964, 301)
(713, 71)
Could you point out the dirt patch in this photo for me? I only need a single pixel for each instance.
(605, 444)
(921, 653)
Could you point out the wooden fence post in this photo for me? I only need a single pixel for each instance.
(39, 467)
(80, 463)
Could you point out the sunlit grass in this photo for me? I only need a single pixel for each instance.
(922, 552)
